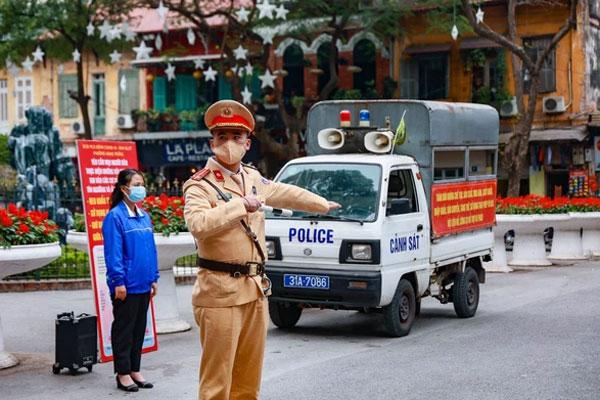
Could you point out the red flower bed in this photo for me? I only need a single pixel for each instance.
(166, 213)
(19, 226)
(532, 204)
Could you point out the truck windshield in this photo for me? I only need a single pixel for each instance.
(355, 186)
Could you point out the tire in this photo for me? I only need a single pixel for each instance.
(418, 308)
(465, 293)
(89, 368)
(55, 369)
(284, 315)
(399, 315)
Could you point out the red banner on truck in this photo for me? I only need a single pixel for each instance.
(462, 206)
(99, 165)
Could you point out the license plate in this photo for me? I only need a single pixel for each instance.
(306, 281)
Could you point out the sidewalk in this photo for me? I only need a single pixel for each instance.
(28, 323)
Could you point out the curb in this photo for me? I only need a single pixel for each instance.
(67, 284)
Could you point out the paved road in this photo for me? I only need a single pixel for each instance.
(536, 336)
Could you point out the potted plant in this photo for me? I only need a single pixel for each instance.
(153, 120)
(169, 120)
(188, 120)
(139, 118)
(28, 241)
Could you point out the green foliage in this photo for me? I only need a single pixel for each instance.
(8, 177)
(79, 222)
(19, 227)
(389, 87)
(4, 150)
(349, 94)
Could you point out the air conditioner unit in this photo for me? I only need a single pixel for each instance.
(509, 108)
(77, 127)
(553, 104)
(124, 121)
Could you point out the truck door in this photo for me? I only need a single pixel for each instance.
(406, 225)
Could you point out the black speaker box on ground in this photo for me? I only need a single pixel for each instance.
(76, 342)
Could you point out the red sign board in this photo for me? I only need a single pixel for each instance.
(462, 206)
(99, 165)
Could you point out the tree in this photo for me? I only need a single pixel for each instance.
(515, 154)
(60, 27)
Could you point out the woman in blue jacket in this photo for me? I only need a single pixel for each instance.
(132, 275)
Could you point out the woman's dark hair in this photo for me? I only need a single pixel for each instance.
(123, 179)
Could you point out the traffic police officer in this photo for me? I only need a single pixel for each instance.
(222, 204)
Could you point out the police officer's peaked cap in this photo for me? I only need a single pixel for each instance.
(229, 114)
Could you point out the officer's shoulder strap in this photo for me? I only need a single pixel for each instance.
(250, 166)
(200, 174)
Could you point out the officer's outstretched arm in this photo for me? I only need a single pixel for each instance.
(282, 195)
(204, 220)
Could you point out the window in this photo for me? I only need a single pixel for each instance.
(24, 95)
(3, 103)
(129, 91)
(425, 76)
(534, 48)
(323, 53)
(401, 196)
(67, 107)
(293, 63)
(448, 164)
(482, 162)
(363, 56)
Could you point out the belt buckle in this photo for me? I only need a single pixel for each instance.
(255, 268)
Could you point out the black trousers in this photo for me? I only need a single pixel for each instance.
(127, 331)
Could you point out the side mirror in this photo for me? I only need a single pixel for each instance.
(398, 207)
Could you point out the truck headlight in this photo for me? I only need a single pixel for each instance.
(271, 252)
(361, 252)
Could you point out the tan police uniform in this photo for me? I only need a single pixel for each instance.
(232, 312)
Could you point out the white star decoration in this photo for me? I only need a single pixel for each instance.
(479, 15)
(265, 9)
(240, 53)
(170, 71)
(281, 12)
(191, 37)
(105, 30)
(242, 14)
(246, 95)
(12, 67)
(267, 36)
(76, 56)
(198, 63)
(28, 64)
(90, 29)
(38, 54)
(454, 32)
(115, 57)
(142, 52)
(267, 79)
(162, 11)
(210, 74)
(249, 69)
(114, 33)
(127, 32)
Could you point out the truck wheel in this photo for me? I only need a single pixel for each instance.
(465, 293)
(284, 315)
(398, 317)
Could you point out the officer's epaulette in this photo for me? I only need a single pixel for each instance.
(200, 174)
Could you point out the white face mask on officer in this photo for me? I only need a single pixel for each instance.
(230, 147)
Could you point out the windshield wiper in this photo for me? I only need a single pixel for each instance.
(334, 217)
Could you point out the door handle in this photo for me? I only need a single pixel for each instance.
(419, 227)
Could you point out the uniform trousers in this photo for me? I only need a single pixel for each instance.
(233, 345)
(128, 330)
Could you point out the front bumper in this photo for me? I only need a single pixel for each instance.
(339, 294)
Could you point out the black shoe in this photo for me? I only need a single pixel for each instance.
(143, 385)
(130, 388)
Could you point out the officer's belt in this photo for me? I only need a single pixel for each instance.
(236, 270)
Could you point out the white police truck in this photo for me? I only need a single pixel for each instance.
(417, 185)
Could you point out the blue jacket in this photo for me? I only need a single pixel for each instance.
(129, 250)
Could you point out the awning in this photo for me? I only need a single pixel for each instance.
(477, 43)
(577, 134)
(428, 48)
(173, 60)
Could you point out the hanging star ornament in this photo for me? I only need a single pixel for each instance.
(281, 12)
(142, 52)
(27, 64)
(158, 42)
(76, 56)
(210, 74)
(246, 96)
(105, 30)
(115, 57)
(90, 29)
(267, 79)
(170, 71)
(265, 10)
(162, 11)
(242, 14)
(11, 67)
(454, 32)
(267, 36)
(128, 32)
(38, 55)
(191, 37)
(240, 53)
(198, 63)
(249, 69)
(114, 33)
(479, 15)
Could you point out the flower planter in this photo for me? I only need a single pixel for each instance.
(590, 223)
(529, 248)
(499, 261)
(16, 260)
(169, 249)
(567, 246)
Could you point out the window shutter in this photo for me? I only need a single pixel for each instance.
(224, 89)
(186, 90)
(129, 99)
(159, 90)
(67, 107)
